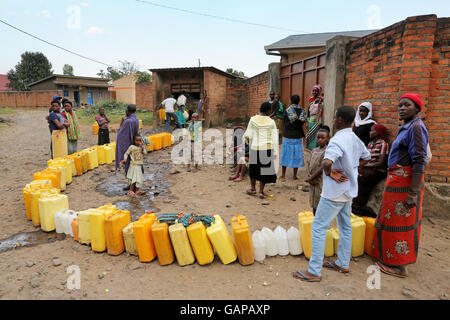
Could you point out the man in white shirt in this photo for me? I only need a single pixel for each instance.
(344, 155)
(169, 104)
(181, 101)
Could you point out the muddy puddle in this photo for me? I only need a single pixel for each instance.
(111, 184)
(29, 239)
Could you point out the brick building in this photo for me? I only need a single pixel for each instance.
(81, 90)
(4, 83)
(124, 89)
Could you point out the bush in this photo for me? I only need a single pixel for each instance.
(110, 106)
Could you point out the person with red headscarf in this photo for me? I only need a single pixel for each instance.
(373, 172)
(315, 116)
(397, 229)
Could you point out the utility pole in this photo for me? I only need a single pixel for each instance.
(199, 62)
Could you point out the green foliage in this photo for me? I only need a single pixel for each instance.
(143, 77)
(124, 69)
(68, 70)
(32, 67)
(235, 72)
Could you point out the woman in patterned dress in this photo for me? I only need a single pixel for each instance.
(397, 229)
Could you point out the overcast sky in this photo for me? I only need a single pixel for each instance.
(157, 37)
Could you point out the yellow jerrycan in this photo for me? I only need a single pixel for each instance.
(221, 241)
(84, 160)
(35, 195)
(84, 226)
(48, 206)
(59, 143)
(128, 238)
(39, 176)
(26, 192)
(101, 155)
(63, 175)
(62, 163)
(305, 220)
(358, 235)
(370, 230)
(163, 246)
(181, 245)
(114, 224)
(108, 154)
(74, 226)
(95, 128)
(97, 225)
(200, 244)
(143, 237)
(242, 240)
(329, 244)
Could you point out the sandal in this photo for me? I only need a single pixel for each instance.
(389, 271)
(262, 195)
(251, 192)
(282, 179)
(304, 277)
(335, 267)
(131, 193)
(232, 178)
(238, 179)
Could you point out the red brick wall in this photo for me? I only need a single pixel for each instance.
(15, 99)
(144, 95)
(409, 56)
(216, 88)
(258, 88)
(237, 99)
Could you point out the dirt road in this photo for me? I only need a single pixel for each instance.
(39, 272)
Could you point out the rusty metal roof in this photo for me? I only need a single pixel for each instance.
(187, 69)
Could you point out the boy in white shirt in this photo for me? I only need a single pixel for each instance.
(169, 104)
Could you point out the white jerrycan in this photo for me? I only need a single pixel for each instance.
(271, 242)
(59, 221)
(282, 241)
(259, 246)
(295, 245)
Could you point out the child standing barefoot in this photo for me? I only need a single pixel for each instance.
(243, 154)
(135, 172)
(315, 168)
(195, 130)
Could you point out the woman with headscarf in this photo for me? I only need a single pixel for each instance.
(73, 131)
(293, 134)
(364, 122)
(373, 172)
(315, 115)
(396, 238)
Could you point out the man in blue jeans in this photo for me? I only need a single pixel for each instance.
(344, 154)
(169, 104)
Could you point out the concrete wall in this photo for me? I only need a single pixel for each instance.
(409, 56)
(15, 99)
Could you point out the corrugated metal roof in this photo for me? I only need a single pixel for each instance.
(213, 69)
(313, 39)
(68, 77)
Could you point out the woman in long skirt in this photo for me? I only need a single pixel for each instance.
(396, 238)
(315, 115)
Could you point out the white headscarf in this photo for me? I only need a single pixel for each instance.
(368, 119)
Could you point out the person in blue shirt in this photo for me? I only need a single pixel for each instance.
(345, 154)
(396, 240)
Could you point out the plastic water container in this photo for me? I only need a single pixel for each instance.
(329, 244)
(130, 242)
(163, 246)
(358, 235)
(59, 221)
(305, 220)
(77, 164)
(270, 241)
(114, 224)
(282, 241)
(242, 240)
(157, 141)
(181, 245)
(200, 244)
(48, 206)
(84, 226)
(143, 236)
(335, 234)
(221, 241)
(140, 124)
(95, 128)
(84, 159)
(101, 154)
(97, 225)
(47, 176)
(259, 246)
(63, 175)
(75, 229)
(26, 192)
(108, 154)
(59, 143)
(71, 215)
(370, 230)
(295, 244)
(35, 196)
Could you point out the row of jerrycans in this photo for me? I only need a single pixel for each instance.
(150, 239)
(362, 233)
(160, 141)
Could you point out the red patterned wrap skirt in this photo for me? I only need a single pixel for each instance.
(397, 229)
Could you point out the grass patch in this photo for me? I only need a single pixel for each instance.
(115, 111)
(6, 110)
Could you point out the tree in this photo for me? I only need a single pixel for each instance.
(68, 70)
(143, 77)
(124, 69)
(32, 67)
(235, 72)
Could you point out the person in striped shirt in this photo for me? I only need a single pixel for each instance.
(373, 172)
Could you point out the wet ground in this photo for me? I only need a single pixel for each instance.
(29, 239)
